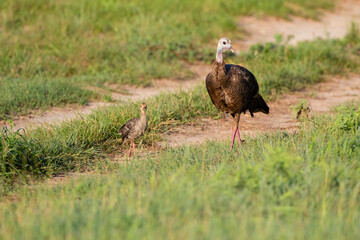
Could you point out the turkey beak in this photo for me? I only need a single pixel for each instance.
(232, 50)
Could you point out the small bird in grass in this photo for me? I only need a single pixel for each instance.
(134, 128)
(233, 89)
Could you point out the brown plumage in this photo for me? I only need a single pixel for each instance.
(233, 89)
(134, 128)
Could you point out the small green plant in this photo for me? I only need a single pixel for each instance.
(353, 34)
(301, 109)
(347, 119)
(107, 98)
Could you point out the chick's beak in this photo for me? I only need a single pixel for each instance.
(232, 50)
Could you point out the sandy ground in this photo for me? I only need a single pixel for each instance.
(336, 91)
(57, 114)
(334, 24)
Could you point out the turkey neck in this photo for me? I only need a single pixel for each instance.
(218, 71)
(219, 56)
(143, 116)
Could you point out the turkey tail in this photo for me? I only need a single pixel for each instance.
(258, 104)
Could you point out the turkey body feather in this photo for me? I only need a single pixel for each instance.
(234, 89)
(129, 129)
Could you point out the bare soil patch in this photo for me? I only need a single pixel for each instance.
(334, 24)
(57, 114)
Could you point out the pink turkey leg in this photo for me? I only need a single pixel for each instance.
(233, 139)
(240, 140)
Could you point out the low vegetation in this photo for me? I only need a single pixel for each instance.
(277, 186)
(302, 109)
(115, 41)
(17, 97)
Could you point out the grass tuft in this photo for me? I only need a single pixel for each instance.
(18, 97)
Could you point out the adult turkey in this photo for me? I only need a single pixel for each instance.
(233, 89)
(134, 128)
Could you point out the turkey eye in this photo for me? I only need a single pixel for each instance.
(224, 43)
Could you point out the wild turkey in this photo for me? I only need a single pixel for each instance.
(134, 128)
(233, 89)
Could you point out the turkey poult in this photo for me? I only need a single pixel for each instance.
(233, 89)
(134, 128)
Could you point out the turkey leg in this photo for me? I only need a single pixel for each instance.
(134, 147)
(131, 146)
(236, 131)
(233, 139)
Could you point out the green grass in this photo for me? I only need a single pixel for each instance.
(78, 144)
(120, 41)
(17, 97)
(277, 186)
(104, 41)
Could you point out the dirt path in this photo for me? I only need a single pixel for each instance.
(57, 114)
(333, 24)
(321, 98)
